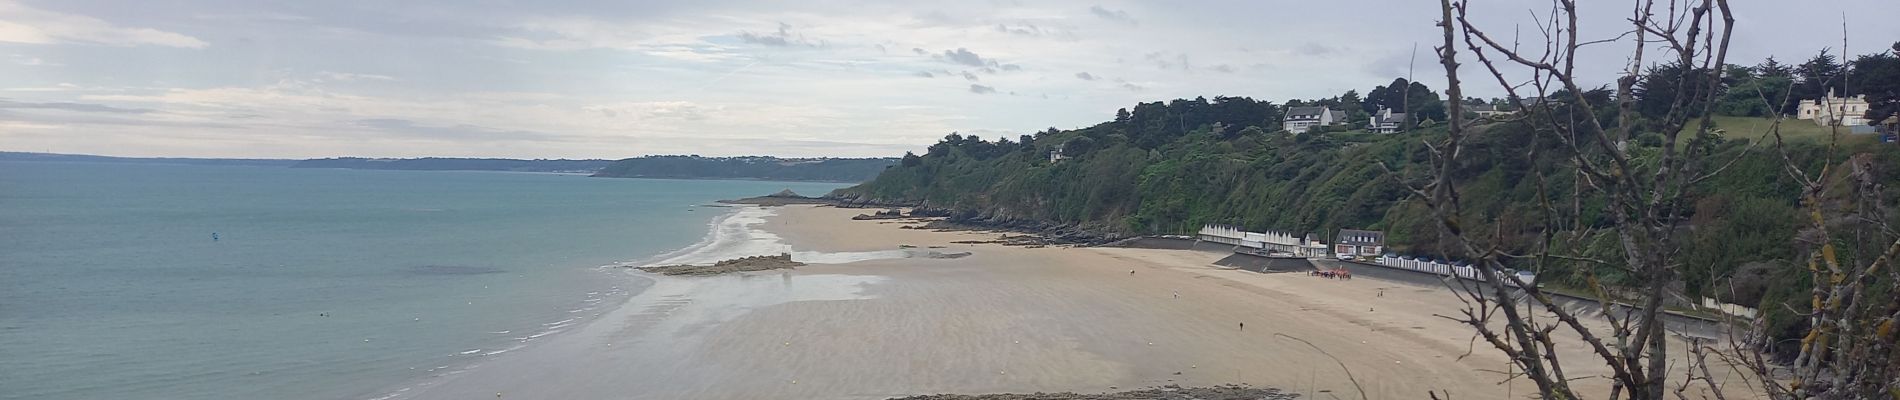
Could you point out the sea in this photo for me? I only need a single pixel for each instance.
(152, 281)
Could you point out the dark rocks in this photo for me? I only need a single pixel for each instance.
(886, 214)
(742, 264)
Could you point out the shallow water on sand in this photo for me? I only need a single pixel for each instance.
(319, 284)
(661, 332)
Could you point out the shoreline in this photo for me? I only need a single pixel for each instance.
(866, 320)
(633, 285)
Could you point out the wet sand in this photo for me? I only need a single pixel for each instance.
(1004, 319)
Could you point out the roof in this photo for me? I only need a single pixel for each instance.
(1388, 117)
(1304, 112)
(1357, 237)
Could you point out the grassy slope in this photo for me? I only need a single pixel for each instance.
(1752, 128)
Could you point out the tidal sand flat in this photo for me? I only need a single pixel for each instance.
(1001, 320)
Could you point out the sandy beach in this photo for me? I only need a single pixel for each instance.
(1003, 319)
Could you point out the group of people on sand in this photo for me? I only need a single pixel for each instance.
(1341, 273)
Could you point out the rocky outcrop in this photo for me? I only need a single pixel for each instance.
(742, 264)
(783, 197)
(999, 220)
(1048, 232)
(886, 214)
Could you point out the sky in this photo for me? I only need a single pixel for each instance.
(620, 78)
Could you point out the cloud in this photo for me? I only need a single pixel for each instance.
(1028, 29)
(969, 76)
(1111, 15)
(258, 17)
(1163, 61)
(769, 40)
(58, 87)
(586, 32)
(22, 24)
(980, 89)
(460, 131)
(782, 38)
(1160, 60)
(697, 53)
(33, 61)
(654, 110)
(351, 77)
(966, 57)
(1316, 49)
(74, 107)
(446, 61)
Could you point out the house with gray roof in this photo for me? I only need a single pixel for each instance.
(1301, 119)
(1486, 110)
(1386, 121)
(1354, 243)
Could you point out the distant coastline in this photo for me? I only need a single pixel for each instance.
(753, 168)
(458, 164)
(844, 170)
(56, 157)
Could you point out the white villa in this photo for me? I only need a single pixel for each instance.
(1386, 121)
(1488, 111)
(1300, 119)
(1835, 111)
(1359, 243)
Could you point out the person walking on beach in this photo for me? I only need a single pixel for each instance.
(1177, 294)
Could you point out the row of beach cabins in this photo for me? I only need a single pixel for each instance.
(1352, 245)
(1365, 247)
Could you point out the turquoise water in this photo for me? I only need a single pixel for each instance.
(320, 284)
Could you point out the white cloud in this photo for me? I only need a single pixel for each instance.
(30, 61)
(22, 24)
(351, 77)
(1112, 15)
(615, 79)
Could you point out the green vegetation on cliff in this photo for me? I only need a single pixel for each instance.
(1169, 168)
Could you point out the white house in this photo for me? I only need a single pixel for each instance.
(1300, 119)
(1056, 155)
(1834, 111)
(1358, 243)
(1386, 121)
(1488, 111)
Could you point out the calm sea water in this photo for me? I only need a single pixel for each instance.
(319, 284)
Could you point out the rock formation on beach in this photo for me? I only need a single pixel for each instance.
(783, 197)
(886, 214)
(742, 264)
